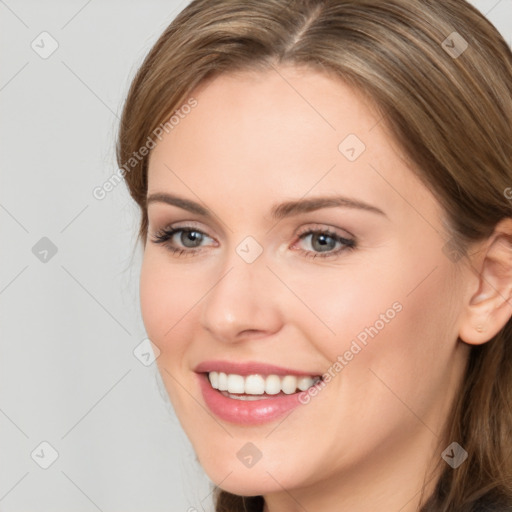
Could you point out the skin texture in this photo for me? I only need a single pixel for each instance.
(365, 442)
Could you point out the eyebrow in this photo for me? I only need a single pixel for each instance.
(278, 212)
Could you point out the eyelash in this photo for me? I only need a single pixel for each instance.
(165, 235)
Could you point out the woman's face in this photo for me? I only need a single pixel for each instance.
(268, 272)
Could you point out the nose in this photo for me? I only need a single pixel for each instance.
(242, 303)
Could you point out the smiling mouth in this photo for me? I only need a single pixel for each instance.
(259, 386)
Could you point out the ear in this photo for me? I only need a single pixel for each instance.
(488, 304)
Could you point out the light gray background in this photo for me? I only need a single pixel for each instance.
(69, 326)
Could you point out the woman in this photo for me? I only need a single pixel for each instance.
(327, 267)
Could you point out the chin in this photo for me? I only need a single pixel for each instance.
(264, 477)
(244, 483)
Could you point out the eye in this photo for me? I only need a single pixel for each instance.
(181, 239)
(325, 243)
(187, 240)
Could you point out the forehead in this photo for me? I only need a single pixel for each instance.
(276, 106)
(284, 131)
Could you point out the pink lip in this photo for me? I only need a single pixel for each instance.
(249, 368)
(241, 412)
(245, 412)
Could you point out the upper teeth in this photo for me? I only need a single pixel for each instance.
(259, 384)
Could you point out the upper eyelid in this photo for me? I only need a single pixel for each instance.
(315, 227)
(319, 227)
(177, 229)
(180, 226)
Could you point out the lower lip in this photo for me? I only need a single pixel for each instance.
(246, 412)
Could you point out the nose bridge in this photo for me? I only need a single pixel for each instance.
(241, 298)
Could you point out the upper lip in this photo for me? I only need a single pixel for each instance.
(249, 368)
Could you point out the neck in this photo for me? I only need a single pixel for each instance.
(397, 479)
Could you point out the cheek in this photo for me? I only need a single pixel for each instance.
(166, 296)
(337, 304)
(155, 299)
(414, 295)
(389, 326)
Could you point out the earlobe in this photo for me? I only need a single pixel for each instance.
(489, 306)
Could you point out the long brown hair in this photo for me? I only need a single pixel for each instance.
(441, 76)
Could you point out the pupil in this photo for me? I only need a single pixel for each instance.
(188, 238)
